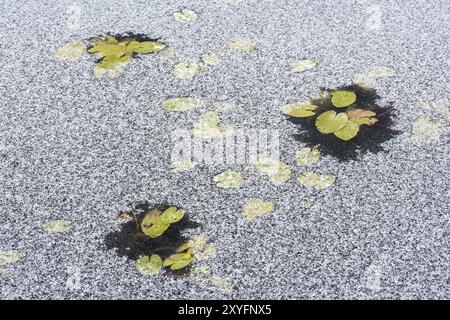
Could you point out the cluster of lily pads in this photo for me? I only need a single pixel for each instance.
(343, 120)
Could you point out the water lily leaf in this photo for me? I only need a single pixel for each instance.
(55, 226)
(241, 45)
(171, 215)
(307, 156)
(342, 98)
(303, 65)
(152, 224)
(361, 116)
(9, 257)
(178, 261)
(149, 265)
(228, 180)
(185, 16)
(156, 230)
(319, 182)
(104, 49)
(112, 62)
(211, 58)
(186, 71)
(71, 51)
(208, 127)
(182, 104)
(348, 132)
(277, 171)
(299, 110)
(182, 165)
(256, 208)
(426, 131)
(145, 46)
(200, 248)
(330, 121)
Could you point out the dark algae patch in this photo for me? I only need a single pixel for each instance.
(154, 231)
(344, 124)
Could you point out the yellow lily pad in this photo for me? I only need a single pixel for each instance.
(303, 65)
(208, 127)
(228, 180)
(182, 165)
(330, 121)
(200, 248)
(152, 225)
(256, 208)
(348, 132)
(171, 215)
(149, 265)
(185, 16)
(9, 257)
(426, 131)
(307, 156)
(342, 98)
(71, 51)
(178, 261)
(241, 44)
(211, 58)
(186, 71)
(299, 110)
(318, 182)
(57, 226)
(277, 171)
(182, 104)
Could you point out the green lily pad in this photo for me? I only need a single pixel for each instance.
(228, 180)
(318, 182)
(256, 208)
(330, 121)
(178, 261)
(342, 98)
(182, 104)
(149, 265)
(171, 215)
(152, 225)
(348, 132)
(307, 156)
(299, 110)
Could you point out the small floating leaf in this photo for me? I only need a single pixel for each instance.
(185, 16)
(186, 71)
(256, 208)
(200, 247)
(182, 165)
(307, 156)
(55, 226)
(9, 257)
(319, 182)
(241, 44)
(145, 46)
(381, 72)
(303, 65)
(299, 110)
(424, 130)
(208, 127)
(178, 261)
(228, 180)
(348, 132)
(182, 104)
(211, 58)
(172, 215)
(71, 51)
(149, 265)
(277, 171)
(152, 225)
(342, 98)
(330, 121)
(360, 116)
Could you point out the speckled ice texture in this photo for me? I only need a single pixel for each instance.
(82, 149)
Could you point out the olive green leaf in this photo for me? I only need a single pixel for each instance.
(228, 180)
(303, 65)
(348, 132)
(9, 257)
(182, 104)
(185, 16)
(178, 261)
(152, 225)
(361, 116)
(342, 98)
(208, 127)
(200, 248)
(330, 121)
(55, 226)
(256, 208)
(171, 215)
(149, 265)
(182, 165)
(299, 109)
(145, 46)
(277, 171)
(241, 44)
(71, 51)
(307, 156)
(426, 131)
(319, 182)
(186, 71)
(211, 58)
